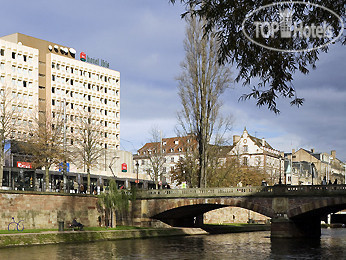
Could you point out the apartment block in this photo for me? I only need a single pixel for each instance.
(43, 77)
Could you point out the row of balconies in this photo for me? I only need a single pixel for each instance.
(82, 103)
(65, 68)
(86, 90)
(82, 97)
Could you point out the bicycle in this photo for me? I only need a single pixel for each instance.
(16, 225)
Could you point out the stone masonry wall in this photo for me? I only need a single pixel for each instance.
(45, 210)
(233, 215)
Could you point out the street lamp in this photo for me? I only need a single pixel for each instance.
(137, 181)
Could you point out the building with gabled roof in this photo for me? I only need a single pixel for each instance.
(252, 151)
(163, 155)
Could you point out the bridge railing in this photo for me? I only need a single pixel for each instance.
(278, 190)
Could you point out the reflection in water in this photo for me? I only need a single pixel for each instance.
(256, 245)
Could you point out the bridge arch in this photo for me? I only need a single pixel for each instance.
(317, 208)
(295, 211)
(182, 212)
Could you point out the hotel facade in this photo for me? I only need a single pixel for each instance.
(42, 77)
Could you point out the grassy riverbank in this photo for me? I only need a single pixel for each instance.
(92, 234)
(56, 237)
(85, 229)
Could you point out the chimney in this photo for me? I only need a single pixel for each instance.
(293, 151)
(333, 153)
(312, 150)
(263, 142)
(236, 139)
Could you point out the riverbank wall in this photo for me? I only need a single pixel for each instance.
(44, 210)
(46, 238)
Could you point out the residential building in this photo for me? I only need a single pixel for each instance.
(252, 151)
(163, 156)
(308, 166)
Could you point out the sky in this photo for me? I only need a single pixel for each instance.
(143, 40)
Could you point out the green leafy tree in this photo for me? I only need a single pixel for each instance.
(274, 70)
(113, 200)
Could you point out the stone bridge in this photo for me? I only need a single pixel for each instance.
(295, 211)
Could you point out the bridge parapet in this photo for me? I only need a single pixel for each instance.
(278, 190)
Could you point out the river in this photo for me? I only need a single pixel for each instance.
(254, 245)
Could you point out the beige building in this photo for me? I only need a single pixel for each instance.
(44, 76)
(302, 163)
(257, 152)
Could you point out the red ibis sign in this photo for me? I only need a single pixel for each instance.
(26, 165)
(124, 167)
(82, 56)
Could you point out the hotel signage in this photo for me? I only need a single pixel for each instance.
(26, 165)
(103, 63)
(124, 167)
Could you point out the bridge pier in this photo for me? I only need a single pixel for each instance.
(296, 228)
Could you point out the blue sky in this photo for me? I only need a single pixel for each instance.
(143, 39)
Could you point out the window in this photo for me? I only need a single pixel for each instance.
(24, 84)
(53, 77)
(13, 55)
(105, 90)
(2, 52)
(53, 102)
(172, 159)
(71, 106)
(53, 90)
(246, 149)
(245, 161)
(25, 58)
(176, 142)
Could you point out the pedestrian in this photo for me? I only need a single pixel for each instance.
(324, 182)
(75, 186)
(81, 188)
(335, 181)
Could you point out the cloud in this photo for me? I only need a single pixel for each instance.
(144, 41)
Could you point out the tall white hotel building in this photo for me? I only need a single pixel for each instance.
(42, 75)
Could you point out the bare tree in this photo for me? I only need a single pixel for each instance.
(155, 156)
(201, 84)
(8, 123)
(45, 142)
(89, 146)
